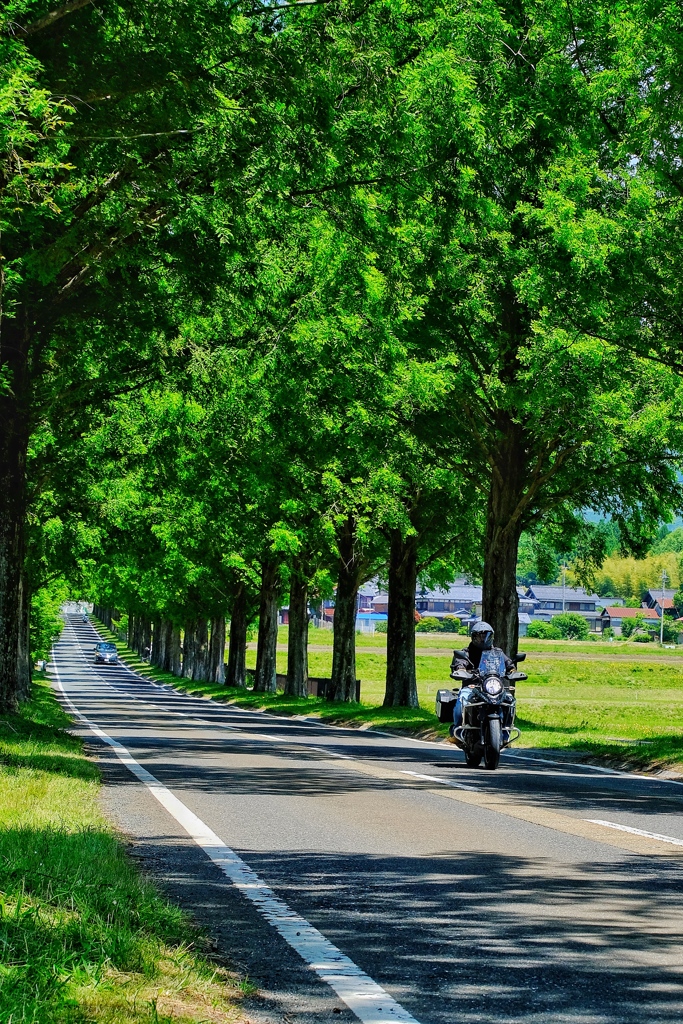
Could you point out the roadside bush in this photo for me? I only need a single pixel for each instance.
(543, 631)
(381, 626)
(642, 638)
(450, 624)
(428, 625)
(608, 633)
(572, 626)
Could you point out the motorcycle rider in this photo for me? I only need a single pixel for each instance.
(481, 639)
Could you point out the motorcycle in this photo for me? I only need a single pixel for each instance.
(488, 706)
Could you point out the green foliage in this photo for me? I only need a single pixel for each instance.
(642, 638)
(428, 625)
(632, 625)
(571, 625)
(450, 624)
(608, 633)
(672, 631)
(46, 620)
(670, 541)
(381, 626)
(543, 631)
(265, 321)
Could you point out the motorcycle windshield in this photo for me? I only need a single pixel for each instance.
(492, 663)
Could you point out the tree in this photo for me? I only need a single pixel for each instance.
(571, 625)
(499, 150)
(102, 200)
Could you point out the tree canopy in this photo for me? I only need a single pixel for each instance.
(298, 296)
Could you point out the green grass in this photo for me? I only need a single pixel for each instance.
(83, 936)
(619, 702)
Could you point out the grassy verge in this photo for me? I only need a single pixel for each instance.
(623, 704)
(83, 937)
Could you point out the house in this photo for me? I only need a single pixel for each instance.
(553, 600)
(654, 599)
(613, 616)
(460, 599)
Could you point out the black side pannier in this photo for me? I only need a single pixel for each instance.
(445, 704)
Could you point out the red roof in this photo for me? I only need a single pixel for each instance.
(630, 613)
(665, 602)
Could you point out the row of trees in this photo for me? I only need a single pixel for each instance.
(297, 295)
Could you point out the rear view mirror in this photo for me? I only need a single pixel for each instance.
(519, 657)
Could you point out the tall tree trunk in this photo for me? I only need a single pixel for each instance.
(175, 664)
(14, 435)
(500, 602)
(236, 674)
(200, 668)
(188, 650)
(24, 664)
(146, 637)
(401, 683)
(217, 650)
(296, 684)
(157, 652)
(166, 659)
(161, 644)
(265, 680)
(345, 607)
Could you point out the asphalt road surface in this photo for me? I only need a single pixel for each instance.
(359, 876)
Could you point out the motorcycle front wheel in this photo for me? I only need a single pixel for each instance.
(494, 741)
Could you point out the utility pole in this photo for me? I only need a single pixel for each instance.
(564, 585)
(661, 624)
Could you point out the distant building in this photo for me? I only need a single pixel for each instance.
(654, 599)
(553, 600)
(613, 617)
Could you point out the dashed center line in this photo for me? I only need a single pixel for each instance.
(444, 782)
(636, 831)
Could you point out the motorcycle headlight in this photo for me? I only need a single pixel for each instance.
(493, 686)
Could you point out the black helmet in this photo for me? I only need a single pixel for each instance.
(482, 635)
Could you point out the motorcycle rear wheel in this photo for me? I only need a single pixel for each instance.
(473, 758)
(493, 744)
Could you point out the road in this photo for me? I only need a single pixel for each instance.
(441, 894)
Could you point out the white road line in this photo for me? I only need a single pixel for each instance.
(636, 831)
(445, 782)
(369, 1001)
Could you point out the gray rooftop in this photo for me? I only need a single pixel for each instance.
(544, 593)
(456, 592)
(656, 592)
